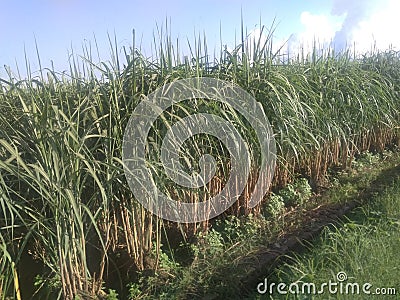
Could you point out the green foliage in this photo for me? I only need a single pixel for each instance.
(275, 205)
(134, 290)
(366, 159)
(296, 193)
(47, 287)
(112, 295)
(165, 262)
(209, 244)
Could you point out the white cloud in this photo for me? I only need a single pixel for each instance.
(319, 27)
(379, 28)
(358, 23)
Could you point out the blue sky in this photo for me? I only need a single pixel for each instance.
(60, 25)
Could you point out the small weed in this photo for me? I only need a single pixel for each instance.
(112, 295)
(275, 205)
(366, 159)
(134, 290)
(296, 193)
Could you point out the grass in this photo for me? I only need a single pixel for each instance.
(64, 200)
(364, 247)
